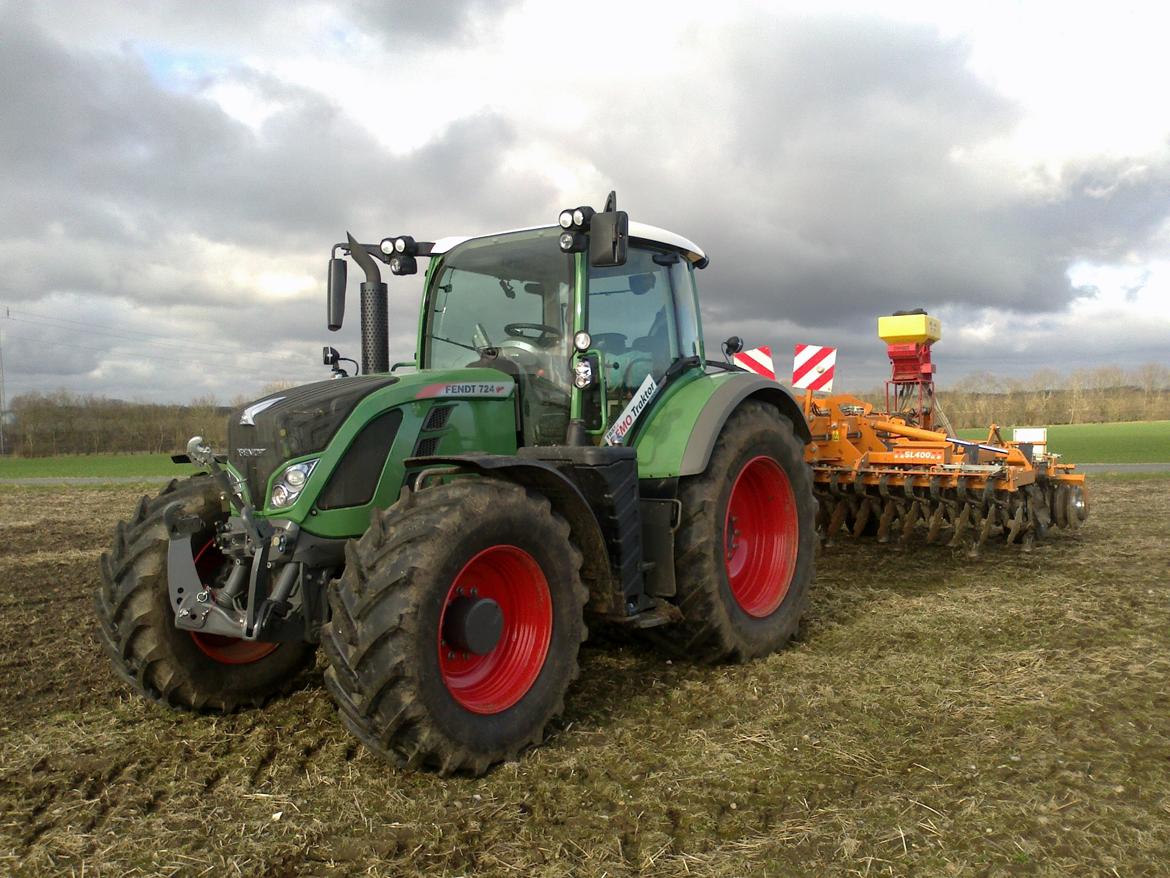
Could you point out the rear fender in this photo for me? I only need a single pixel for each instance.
(684, 426)
(567, 500)
(718, 409)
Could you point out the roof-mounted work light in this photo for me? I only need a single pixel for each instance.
(575, 221)
(401, 251)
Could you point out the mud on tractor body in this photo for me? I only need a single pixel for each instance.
(561, 453)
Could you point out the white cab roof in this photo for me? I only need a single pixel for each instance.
(640, 231)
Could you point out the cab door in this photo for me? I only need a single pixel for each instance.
(642, 317)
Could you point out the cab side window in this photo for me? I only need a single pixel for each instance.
(633, 322)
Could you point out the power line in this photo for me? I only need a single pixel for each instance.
(127, 335)
(70, 345)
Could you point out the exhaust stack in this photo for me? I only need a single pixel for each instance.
(375, 319)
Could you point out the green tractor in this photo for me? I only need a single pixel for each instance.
(559, 451)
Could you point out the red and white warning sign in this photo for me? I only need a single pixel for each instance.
(813, 367)
(758, 360)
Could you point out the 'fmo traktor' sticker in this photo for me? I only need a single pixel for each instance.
(615, 434)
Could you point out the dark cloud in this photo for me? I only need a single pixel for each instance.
(111, 177)
(404, 23)
(826, 164)
(821, 168)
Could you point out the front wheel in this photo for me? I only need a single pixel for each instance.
(455, 626)
(744, 550)
(188, 669)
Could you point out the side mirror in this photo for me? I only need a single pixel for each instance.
(335, 305)
(733, 345)
(608, 238)
(329, 356)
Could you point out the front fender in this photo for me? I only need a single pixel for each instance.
(566, 499)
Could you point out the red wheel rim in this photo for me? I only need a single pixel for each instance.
(225, 650)
(493, 682)
(760, 532)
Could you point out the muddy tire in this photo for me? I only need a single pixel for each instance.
(414, 680)
(137, 627)
(744, 549)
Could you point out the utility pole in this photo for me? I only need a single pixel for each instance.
(3, 398)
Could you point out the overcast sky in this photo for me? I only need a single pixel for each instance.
(172, 174)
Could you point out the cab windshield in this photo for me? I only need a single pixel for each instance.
(506, 302)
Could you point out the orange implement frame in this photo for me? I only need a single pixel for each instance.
(876, 473)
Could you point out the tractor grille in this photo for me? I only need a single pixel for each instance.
(438, 417)
(292, 423)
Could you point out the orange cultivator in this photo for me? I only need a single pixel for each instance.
(891, 473)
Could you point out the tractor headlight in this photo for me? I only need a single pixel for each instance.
(289, 484)
(582, 341)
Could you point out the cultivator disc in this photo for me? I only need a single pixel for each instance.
(958, 509)
(882, 477)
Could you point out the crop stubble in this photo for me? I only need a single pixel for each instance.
(938, 716)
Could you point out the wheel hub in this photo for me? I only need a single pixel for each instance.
(473, 625)
(495, 629)
(760, 535)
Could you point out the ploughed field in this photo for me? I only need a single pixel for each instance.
(938, 716)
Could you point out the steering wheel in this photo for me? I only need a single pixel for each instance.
(547, 335)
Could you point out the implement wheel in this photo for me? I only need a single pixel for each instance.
(456, 626)
(137, 623)
(744, 548)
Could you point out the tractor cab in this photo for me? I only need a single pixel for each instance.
(560, 326)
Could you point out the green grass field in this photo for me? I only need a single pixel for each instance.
(1137, 442)
(1131, 442)
(94, 465)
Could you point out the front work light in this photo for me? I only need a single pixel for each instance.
(400, 265)
(582, 341)
(583, 374)
(573, 242)
(565, 219)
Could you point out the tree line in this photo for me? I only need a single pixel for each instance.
(1104, 394)
(41, 424)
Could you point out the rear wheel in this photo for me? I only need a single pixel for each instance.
(455, 626)
(137, 623)
(744, 550)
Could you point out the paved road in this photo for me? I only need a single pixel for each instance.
(1124, 467)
